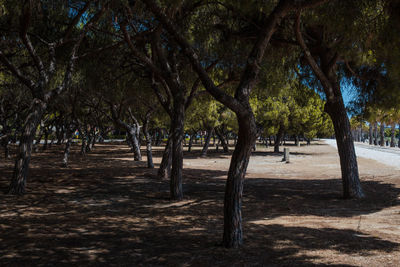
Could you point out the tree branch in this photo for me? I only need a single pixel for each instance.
(312, 62)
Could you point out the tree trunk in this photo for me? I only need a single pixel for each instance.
(84, 142)
(147, 135)
(191, 142)
(234, 185)
(206, 142)
(370, 138)
(67, 147)
(376, 133)
(278, 139)
(46, 138)
(133, 137)
(222, 139)
(382, 134)
(392, 135)
(177, 147)
(348, 160)
(21, 167)
(164, 171)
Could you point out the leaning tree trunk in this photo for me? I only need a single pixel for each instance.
(382, 134)
(348, 160)
(149, 153)
(234, 185)
(222, 139)
(278, 139)
(392, 135)
(21, 167)
(370, 138)
(67, 147)
(164, 172)
(133, 138)
(177, 148)
(206, 142)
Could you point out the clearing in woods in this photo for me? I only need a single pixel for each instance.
(108, 209)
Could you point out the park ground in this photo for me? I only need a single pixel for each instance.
(106, 209)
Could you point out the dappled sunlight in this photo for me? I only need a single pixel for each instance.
(111, 209)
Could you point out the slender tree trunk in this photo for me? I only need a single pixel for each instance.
(222, 139)
(206, 142)
(278, 139)
(348, 160)
(382, 134)
(147, 135)
(177, 148)
(21, 167)
(370, 138)
(164, 172)
(84, 142)
(392, 135)
(234, 185)
(67, 147)
(46, 138)
(376, 133)
(191, 142)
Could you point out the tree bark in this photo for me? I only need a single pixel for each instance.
(234, 185)
(278, 139)
(382, 134)
(164, 172)
(147, 135)
(376, 133)
(392, 135)
(370, 135)
(177, 123)
(67, 147)
(207, 142)
(190, 142)
(21, 167)
(348, 160)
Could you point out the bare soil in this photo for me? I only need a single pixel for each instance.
(106, 209)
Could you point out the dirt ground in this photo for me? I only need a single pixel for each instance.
(106, 209)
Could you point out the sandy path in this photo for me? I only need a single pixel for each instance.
(386, 155)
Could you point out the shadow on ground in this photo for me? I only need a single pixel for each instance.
(105, 210)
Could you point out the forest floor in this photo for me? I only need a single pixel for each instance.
(106, 209)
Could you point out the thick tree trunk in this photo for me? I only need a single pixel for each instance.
(348, 160)
(382, 134)
(177, 148)
(147, 135)
(21, 167)
(278, 139)
(133, 138)
(206, 142)
(164, 172)
(392, 135)
(370, 138)
(234, 185)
